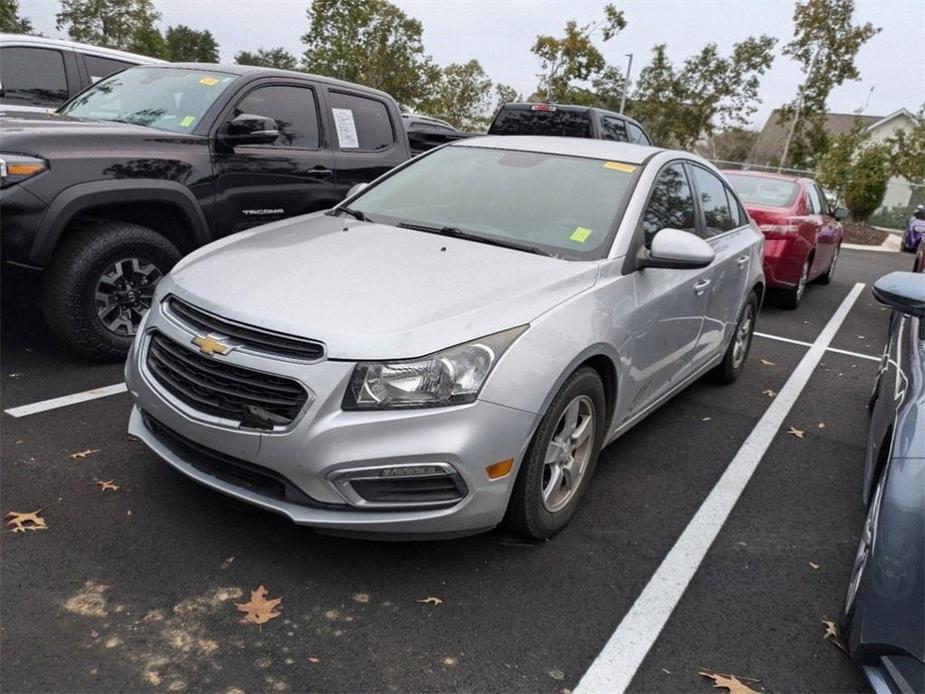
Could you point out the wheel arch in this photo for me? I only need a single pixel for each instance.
(163, 206)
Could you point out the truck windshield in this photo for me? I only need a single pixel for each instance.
(547, 203)
(171, 99)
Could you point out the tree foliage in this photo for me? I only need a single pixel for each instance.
(857, 170)
(10, 19)
(825, 42)
(124, 24)
(277, 57)
(461, 95)
(908, 147)
(371, 42)
(574, 57)
(186, 45)
(680, 105)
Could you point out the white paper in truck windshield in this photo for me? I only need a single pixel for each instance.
(346, 128)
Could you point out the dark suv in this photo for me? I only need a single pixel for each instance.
(109, 192)
(567, 121)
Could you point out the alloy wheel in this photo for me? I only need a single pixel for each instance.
(801, 284)
(743, 336)
(568, 454)
(831, 272)
(124, 292)
(865, 545)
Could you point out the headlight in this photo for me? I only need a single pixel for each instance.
(17, 167)
(451, 377)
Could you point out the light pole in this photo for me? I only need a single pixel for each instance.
(626, 82)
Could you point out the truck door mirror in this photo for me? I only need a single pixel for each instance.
(249, 129)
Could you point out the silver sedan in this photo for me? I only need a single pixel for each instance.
(451, 347)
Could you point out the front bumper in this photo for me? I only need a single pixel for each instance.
(21, 214)
(324, 442)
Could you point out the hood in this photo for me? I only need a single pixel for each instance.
(372, 291)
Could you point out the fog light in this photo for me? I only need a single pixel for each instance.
(500, 469)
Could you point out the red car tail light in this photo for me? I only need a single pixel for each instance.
(779, 228)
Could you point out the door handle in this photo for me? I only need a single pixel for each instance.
(701, 287)
(319, 172)
(742, 261)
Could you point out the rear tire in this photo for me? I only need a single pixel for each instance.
(830, 273)
(791, 298)
(99, 283)
(740, 345)
(542, 504)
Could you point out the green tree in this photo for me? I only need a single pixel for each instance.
(908, 158)
(10, 19)
(679, 106)
(825, 42)
(268, 57)
(731, 144)
(124, 24)
(371, 42)
(461, 95)
(574, 57)
(186, 45)
(505, 94)
(856, 169)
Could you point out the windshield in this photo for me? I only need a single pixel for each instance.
(559, 205)
(163, 98)
(758, 190)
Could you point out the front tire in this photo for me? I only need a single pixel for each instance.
(100, 282)
(560, 461)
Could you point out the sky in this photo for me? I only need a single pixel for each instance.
(499, 33)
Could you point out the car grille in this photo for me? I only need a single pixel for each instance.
(251, 398)
(240, 473)
(252, 339)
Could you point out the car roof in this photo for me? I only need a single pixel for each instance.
(570, 146)
(41, 41)
(256, 70)
(575, 108)
(766, 174)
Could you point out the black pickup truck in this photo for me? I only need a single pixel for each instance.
(106, 194)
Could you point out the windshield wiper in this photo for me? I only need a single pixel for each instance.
(356, 214)
(469, 236)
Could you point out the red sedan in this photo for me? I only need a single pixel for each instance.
(802, 233)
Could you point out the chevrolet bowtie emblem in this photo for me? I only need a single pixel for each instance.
(209, 345)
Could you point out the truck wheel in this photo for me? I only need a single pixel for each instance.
(99, 284)
(561, 458)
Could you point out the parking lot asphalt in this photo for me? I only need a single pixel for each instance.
(136, 588)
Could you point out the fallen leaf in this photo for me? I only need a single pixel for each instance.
(17, 520)
(706, 419)
(729, 682)
(765, 362)
(557, 674)
(228, 562)
(831, 634)
(83, 454)
(815, 566)
(821, 425)
(94, 634)
(259, 610)
(450, 661)
(131, 438)
(361, 598)
(860, 337)
(107, 484)
(667, 672)
(129, 512)
(770, 393)
(431, 601)
(799, 433)
(313, 660)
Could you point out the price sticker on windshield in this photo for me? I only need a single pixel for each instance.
(619, 166)
(209, 81)
(187, 121)
(580, 234)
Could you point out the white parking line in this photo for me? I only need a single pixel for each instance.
(616, 665)
(66, 400)
(869, 357)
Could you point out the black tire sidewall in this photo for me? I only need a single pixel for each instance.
(526, 513)
(71, 279)
(726, 372)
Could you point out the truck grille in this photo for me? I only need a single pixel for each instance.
(246, 337)
(251, 398)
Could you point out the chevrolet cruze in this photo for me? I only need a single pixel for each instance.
(449, 348)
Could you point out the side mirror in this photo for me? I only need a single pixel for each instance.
(903, 292)
(840, 213)
(248, 129)
(356, 188)
(677, 250)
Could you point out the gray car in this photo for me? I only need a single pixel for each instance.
(884, 616)
(452, 346)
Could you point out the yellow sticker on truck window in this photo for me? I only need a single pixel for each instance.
(619, 166)
(209, 81)
(580, 234)
(187, 121)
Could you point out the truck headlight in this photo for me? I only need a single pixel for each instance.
(453, 376)
(17, 167)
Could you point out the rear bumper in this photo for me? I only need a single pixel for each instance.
(783, 260)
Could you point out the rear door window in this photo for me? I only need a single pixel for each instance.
(98, 67)
(293, 109)
(815, 205)
(636, 135)
(361, 123)
(671, 205)
(717, 217)
(613, 129)
(32, 76)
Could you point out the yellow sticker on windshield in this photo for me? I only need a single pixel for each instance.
(209, 81)
(619, 166)
(187, 121)
(581, 234)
